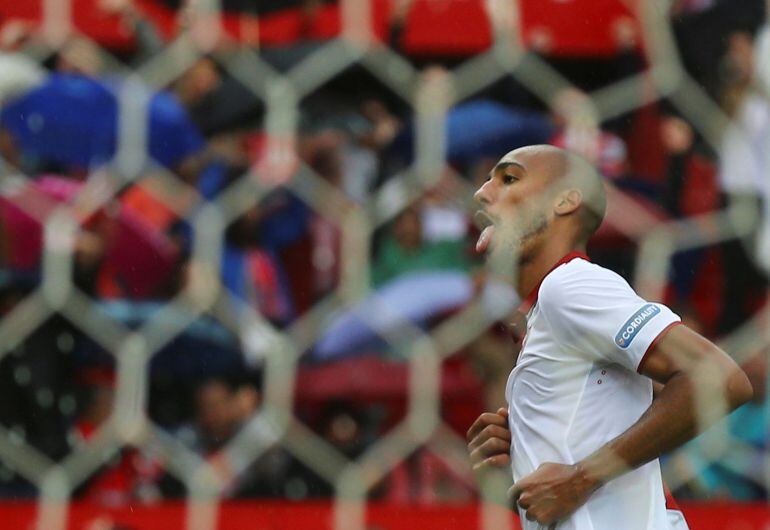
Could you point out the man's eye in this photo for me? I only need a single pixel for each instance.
(509, 179)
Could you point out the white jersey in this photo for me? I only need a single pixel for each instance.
(576, 387)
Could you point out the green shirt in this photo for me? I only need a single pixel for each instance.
(394, 260)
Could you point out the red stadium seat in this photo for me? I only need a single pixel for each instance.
(87, 18)
(432, 27)
(462, 27)
(587, 28)
(459, 27)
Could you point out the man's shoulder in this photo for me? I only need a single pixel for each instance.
(580, 274)
(579, 279)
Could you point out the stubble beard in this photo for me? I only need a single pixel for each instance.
(529, 240)
(515, 246)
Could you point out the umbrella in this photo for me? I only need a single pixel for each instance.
(415, 298)
(70, 121)
(483, 128)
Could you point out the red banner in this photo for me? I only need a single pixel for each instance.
(320, 516)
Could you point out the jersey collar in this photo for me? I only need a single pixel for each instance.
(531, 300)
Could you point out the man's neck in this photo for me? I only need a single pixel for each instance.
(535, 268)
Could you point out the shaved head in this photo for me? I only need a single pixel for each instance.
(540, 197)
(565, 171)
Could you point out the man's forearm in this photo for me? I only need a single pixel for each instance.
(669, 422)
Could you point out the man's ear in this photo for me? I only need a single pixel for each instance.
(567, 202)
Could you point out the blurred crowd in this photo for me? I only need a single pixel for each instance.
(72, 130)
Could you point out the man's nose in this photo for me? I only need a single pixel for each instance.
(482, 194)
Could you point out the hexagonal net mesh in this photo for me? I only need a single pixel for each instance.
(237, 237)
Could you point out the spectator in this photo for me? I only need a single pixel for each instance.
(251, 270)
(745, 153)
(404, 249)
(217, 415)
(744, 162)
(130, 475)
(223, 406)
(346, 428)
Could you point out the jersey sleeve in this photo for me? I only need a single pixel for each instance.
(597, 315)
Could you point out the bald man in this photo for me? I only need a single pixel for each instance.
(581, 433)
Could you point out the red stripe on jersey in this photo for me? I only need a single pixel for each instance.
(670, 500)
(531, 300)
(655, 343)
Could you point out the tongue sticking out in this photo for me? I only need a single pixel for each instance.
(483, 242)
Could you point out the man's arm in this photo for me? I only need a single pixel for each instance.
(701, 384)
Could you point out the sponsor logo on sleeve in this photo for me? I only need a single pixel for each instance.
(634, 324)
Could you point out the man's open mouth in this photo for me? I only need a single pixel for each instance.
(485, 221)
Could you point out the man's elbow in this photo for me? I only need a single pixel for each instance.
(739, 388)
